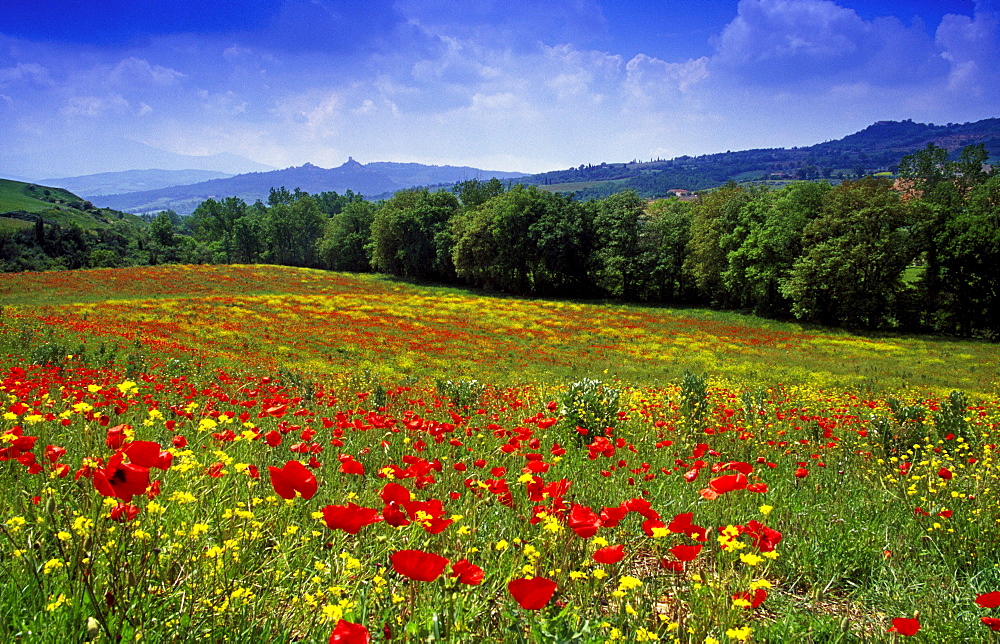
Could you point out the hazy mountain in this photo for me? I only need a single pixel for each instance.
(114, 183)
(416, 174)
(115, 155)
(371, 180)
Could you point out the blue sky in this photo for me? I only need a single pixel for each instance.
(504, 85)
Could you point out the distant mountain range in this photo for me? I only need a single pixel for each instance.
(114, 183)
(114, 155)
(371, 180)
(878, 147)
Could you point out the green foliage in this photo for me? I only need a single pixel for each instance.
(716, 230)
(854, 255)
(591, 405)
(411, 236)
(967, 255)
(624, 253)
(953, 418)
(694, 395)
(761, 264)
(344, 244)
(521, 241)
(461, 393)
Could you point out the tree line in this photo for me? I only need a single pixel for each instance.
(918, 254)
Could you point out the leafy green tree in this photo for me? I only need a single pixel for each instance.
(411, 236)
(670, 233)
(969, 254)
(943, 188)
(521, 241)
(291, 228)
(214, 223)
(718, 227)
(624, 253)
(344, 245)
(161, 230)
(761, 264)
(853, 256)
(562, 234)
(473, 193)
(332, 203)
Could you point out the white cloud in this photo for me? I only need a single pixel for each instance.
(972, 47)
(136, 71)
(791, 42)
(25, 73)
(94, 106)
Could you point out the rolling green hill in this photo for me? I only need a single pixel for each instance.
(21, 203)
(879, 147)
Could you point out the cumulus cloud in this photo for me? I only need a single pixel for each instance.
(972, 46)
(788, 42)
(134, 71)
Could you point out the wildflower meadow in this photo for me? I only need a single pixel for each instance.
(272, 454)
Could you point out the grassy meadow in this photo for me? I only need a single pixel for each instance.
(259, 453)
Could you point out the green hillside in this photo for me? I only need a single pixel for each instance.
(21, 203)
(877, 148)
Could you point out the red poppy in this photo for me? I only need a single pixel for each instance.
(467, 572)
(292, 478)
(350, 518)
(272, 438)
(53, 453)
(672, 566)
(905, 626)
(641, 506)
(395, 515)
(686, 553)
(709, 494)
(681, 523)
(583, 521)
(989, 600)
(532, 594)
(116, 436)
(764, 538)
(610, 554)
(124, 512)
(738, 466)
(429, 514)
(945, 473)
(349, 633)
(611, 516)
(352, 467)
(649, 524)
(121, 480)
(418, 565)
(801, 473)
(992, 622)
(756, 598)
(395, 492)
